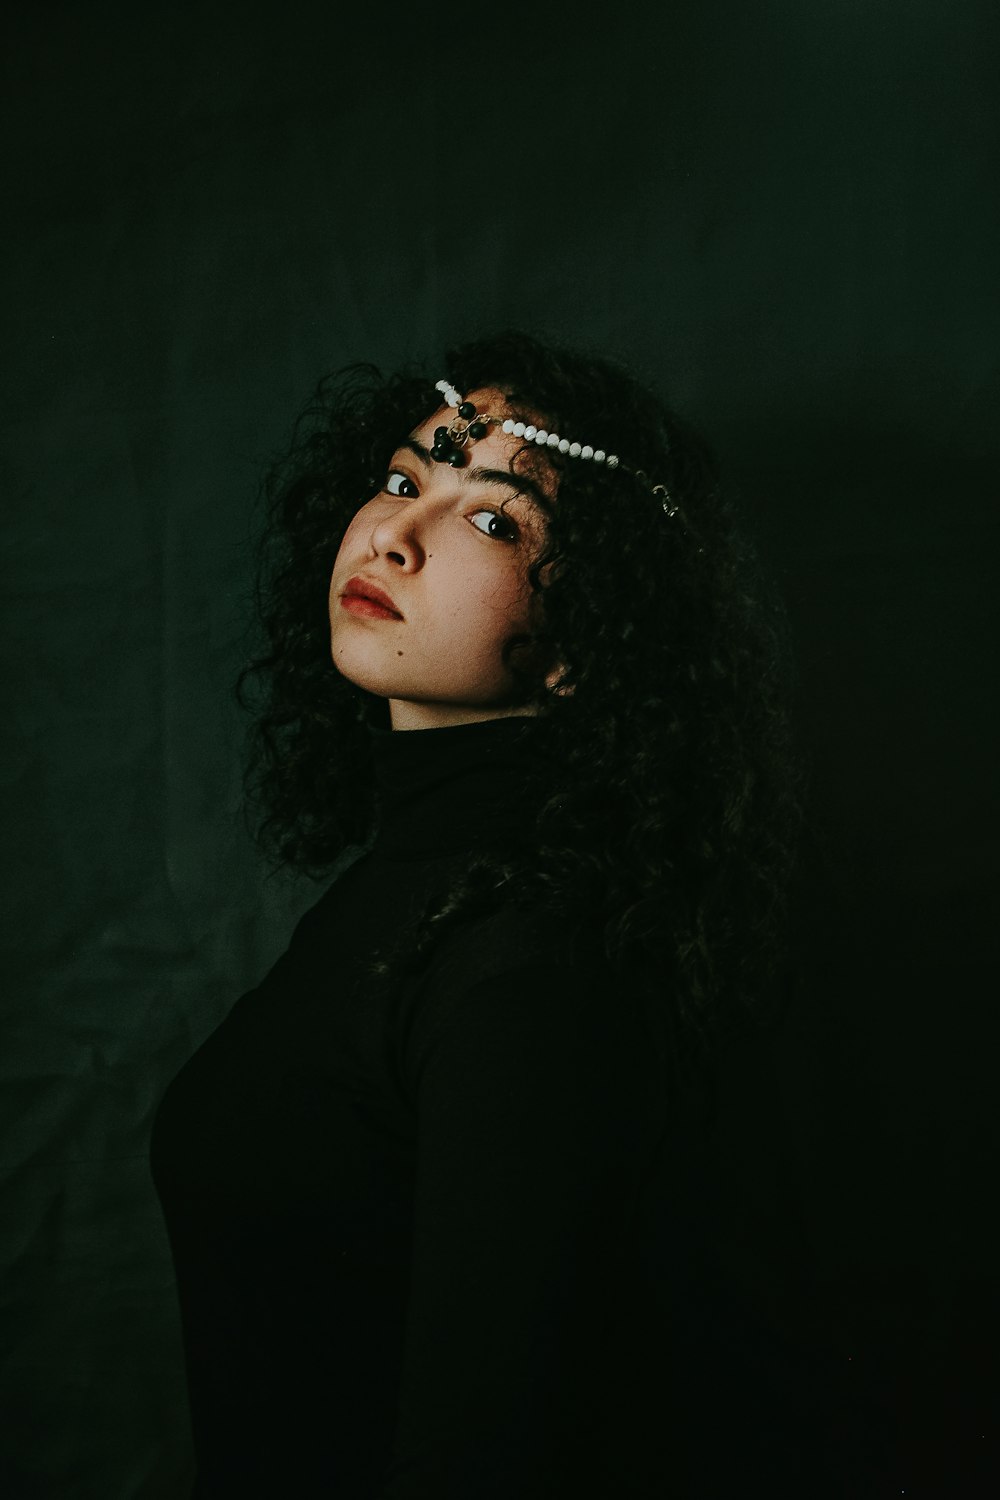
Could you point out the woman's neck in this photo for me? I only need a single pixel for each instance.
(457, 787)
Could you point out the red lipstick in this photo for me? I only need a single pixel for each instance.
(364, 598)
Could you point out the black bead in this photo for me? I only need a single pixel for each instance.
(440, 452)
(441, 435)
(466, 410)
(456, 458)
(478, 429)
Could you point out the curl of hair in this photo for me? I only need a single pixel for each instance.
(679, 806)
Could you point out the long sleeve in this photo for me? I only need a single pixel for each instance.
(531, 1146)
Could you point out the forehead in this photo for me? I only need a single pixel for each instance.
(498, 450)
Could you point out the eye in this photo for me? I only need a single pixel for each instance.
(391, 488)
(508, 531)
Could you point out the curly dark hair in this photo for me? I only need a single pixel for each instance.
(678, 811)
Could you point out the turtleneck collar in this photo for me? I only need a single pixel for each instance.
(450, 790)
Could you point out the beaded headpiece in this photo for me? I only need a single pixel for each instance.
(468, 425)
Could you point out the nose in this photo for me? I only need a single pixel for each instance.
(397, 537)
(403, 535)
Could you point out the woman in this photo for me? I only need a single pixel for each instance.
(438, 1198)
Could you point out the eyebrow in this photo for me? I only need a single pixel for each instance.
(509, 480)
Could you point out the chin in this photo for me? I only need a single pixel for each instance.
(479, 692)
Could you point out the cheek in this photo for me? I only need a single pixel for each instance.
(349, 541)
(353, 544)
(501, 608)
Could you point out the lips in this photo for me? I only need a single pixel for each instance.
(361, 588)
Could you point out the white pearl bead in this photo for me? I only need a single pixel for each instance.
(508, 425)
(599, 455)
(441, 385)
(586, 451)
(519, 429)
(553, 440)
(564, 445)
(530, 430)
(541, 435)
(574, 450)
(612, 460)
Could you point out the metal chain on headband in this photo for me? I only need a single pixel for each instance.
(468, 425)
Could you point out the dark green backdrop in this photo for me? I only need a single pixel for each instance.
(786, 214)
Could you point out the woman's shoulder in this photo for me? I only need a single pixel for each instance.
(517, 967)
(516, 941)
(518, 991)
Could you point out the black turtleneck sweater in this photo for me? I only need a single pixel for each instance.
(442, 1242)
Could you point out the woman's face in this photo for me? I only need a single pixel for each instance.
(435, 542)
